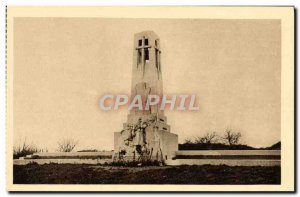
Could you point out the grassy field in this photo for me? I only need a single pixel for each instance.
(96, 174)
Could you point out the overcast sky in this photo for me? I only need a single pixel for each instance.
(62, 66)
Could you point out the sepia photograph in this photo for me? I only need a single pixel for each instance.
(150, 98)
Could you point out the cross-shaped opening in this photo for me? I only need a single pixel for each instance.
(146, 54)
(143, 52)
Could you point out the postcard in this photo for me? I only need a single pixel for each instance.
(146, 99)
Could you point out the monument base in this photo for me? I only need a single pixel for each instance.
(160, 146)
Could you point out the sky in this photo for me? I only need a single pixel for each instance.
(62, 67)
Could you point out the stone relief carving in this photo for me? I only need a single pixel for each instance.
(140, 140)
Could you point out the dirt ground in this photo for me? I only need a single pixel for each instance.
(96, 174)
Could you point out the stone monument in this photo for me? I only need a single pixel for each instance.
(146, 135)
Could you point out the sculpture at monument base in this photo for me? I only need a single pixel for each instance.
(140, 141)
(145, 140)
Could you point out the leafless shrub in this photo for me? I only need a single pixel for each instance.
(188, 141)
(208, 138)
(24, 148)
(66, 144)
(232, 138)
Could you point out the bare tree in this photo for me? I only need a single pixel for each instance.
(232, 138)
(208, 138)
(66, 145)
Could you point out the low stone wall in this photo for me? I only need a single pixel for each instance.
(61, 161)
(228, 152)
(227, 157)
(203, 157)
(228, 162)
(71, 155)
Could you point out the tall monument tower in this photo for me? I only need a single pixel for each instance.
(146, 73)
(146, 135)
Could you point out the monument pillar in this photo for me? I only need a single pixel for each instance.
(146, 134)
